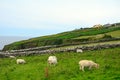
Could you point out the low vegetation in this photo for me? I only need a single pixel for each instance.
(115, 34)
(70, 37)
(36, 67)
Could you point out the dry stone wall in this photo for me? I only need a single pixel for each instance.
(46, 50)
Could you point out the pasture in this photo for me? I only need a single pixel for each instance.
(67, 68)
(115, 34)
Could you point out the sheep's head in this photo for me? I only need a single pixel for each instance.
(96, 66)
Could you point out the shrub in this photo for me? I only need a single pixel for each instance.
(107, 36)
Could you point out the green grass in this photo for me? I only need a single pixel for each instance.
(115, 34)
(61, 38)
(67, 67)
(96, 36)
(90, 44)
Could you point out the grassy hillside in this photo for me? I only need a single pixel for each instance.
(67, 67)
(64, 38)
(90, 44)
(115, 34)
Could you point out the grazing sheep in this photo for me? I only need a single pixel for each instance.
(79, 50)
(52, 60)
(20, 61)
(87, 63)
(12, 57)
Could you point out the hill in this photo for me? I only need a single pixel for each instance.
(79, 36)
(102, 45)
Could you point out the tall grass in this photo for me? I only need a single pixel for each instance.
(66, 69)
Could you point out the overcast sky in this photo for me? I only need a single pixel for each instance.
(23, 19)
(34, 18)
(42, 17)
(4, 40)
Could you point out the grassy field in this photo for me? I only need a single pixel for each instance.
(67, 67)
(90, 44)
(64, 38)
(115, 34)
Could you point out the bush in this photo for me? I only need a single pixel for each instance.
(107, 36)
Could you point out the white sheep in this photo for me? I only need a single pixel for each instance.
(52, 60)
(20, 61)
(87, 63)
(12, 57)
(79, 50)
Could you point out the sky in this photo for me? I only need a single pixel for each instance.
(33, 18)
(23, 19)
(4, 40)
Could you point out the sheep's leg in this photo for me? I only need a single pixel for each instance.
(49, 64)
(80, 67)
(83, 68)
(90, 67)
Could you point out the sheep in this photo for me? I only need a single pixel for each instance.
(52, 60)
(79, 50)
(20, 61)
(12, 57)
(87, 63)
